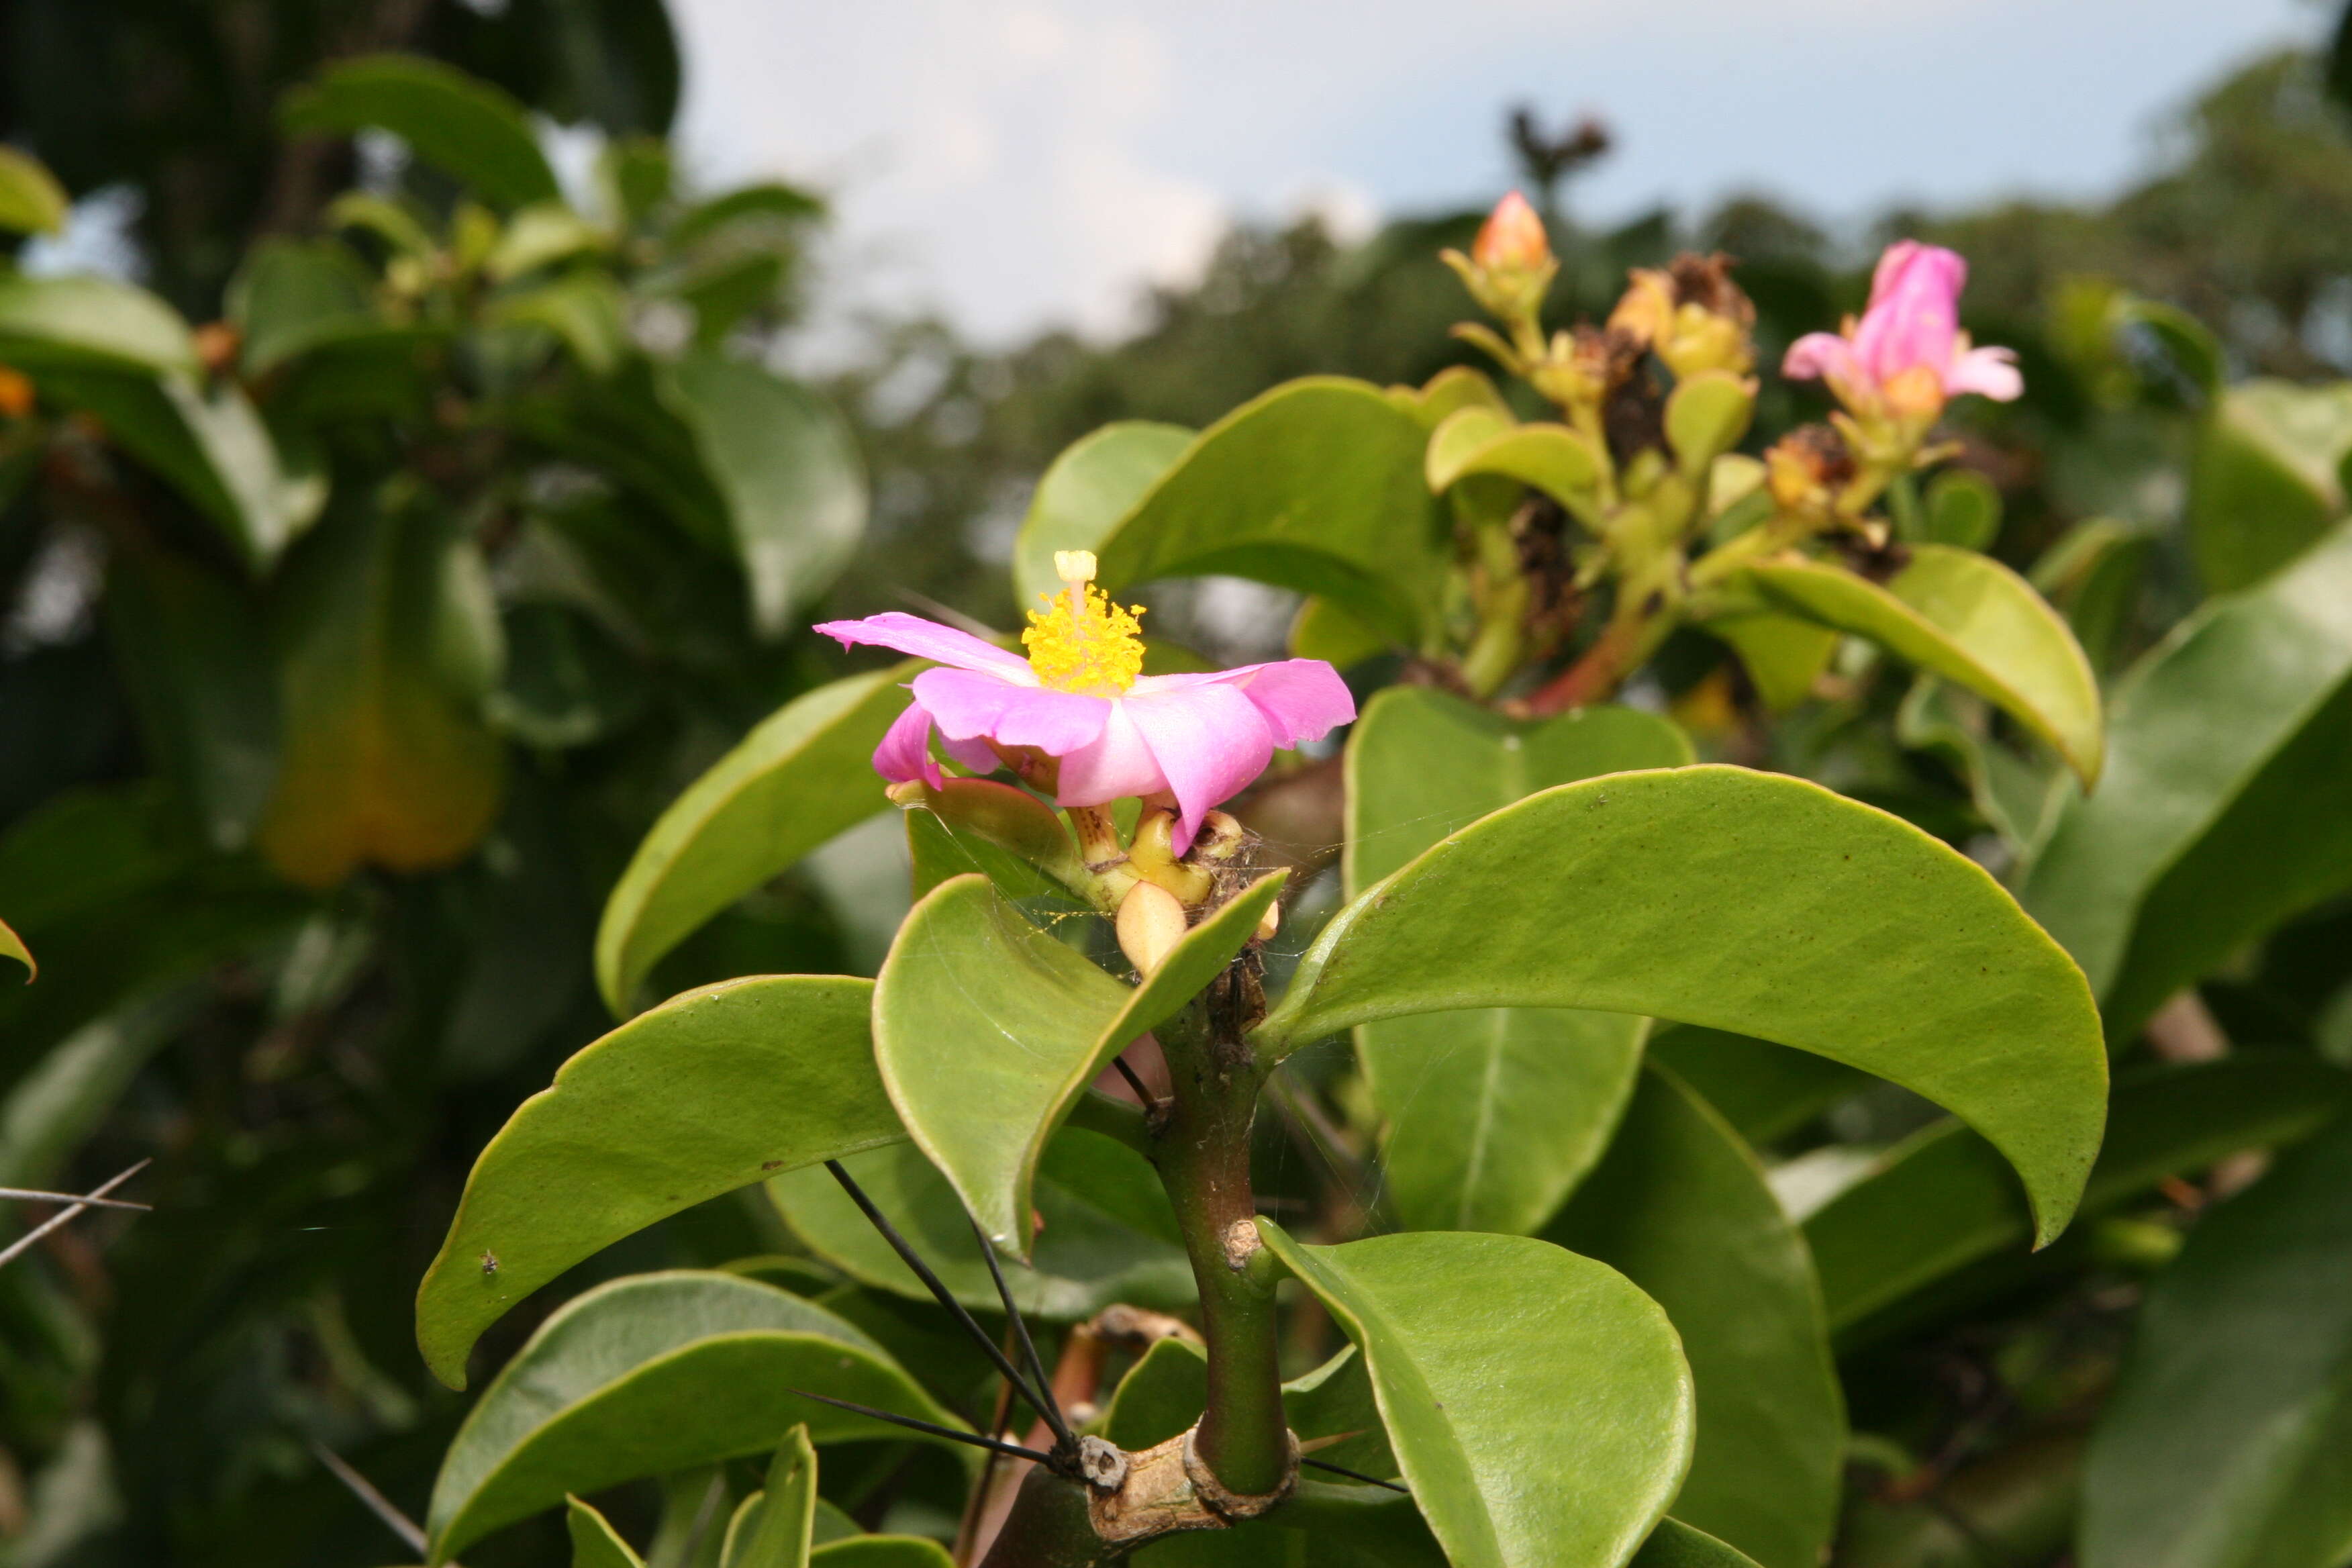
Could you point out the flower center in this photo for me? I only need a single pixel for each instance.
(1080, 641)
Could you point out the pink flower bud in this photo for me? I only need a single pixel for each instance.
(1908, 342)
(1512, 238)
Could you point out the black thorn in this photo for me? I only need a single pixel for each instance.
(914, 1423)
(1042, 1405)
(1142, 1092)
(1065, 1440)
(1356, 1476)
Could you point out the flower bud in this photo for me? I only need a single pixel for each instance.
(1151, 855)
(1150, 923)
(1512, 238)
(1691, 315)
(15, 394)
(1807, 467)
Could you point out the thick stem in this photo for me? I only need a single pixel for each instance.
(1203, 1151)
(1049, 1528)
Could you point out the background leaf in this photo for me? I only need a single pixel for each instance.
(1680, 1207)
(2262, 483)
(467, 127)
(803, 775)
(1089, 488)
(1742, 902)
(2222, 811)
(1492, 1114)
(1503, 1480)
(2228, 1440)
(594, 1543)
(1110, 1234)
(31, 200)
(707, 1093)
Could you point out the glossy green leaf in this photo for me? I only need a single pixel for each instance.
(1451, 389)
(1765, 1091)
(1162, 1394)
(1751, 902)
(1096, 481)
(708, 1092)
(788, 469)
(540, 235)
(594, 1543)
(1674, 1544)
(1110, 1234)
(977, 1006)
(781, 1534)
(1968, 618)
(13, 946)
(1493, 1114)
(2262, 483)
(2222, 811)
(2094, 574)
(1315, 486)
(467, 127)
(584, 312)
(1941, 1201)
(2016, 795)
(653, 1374)
(388, 642)
(2228, 1442)
(804, 775)
(1477, 1387)
(1706, 413)
(31, 200)
(1681, 1209)
(1552, 458)
(92, 323)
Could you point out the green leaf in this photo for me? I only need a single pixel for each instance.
(388, 642)
(594, 1543)
(1681, 1209)
(780, 1536)
(1096, 481)
(2223, 813)
(882, 1552)
(1750, 903)
(1963, 509)
(293, 296)
(1783, 655)
(976, 1006)
(1325, 630)
(13, 946)
(92, 323)
(768, 202)
(1110, 1234)
(708, 1092)
(1552, 458)
(804, 774)
(2228, 1438)
(201, 681)
(31, 200)
(2263, 482)
(1968, 618)
(1940, 1202)
(788, 469)
(653, 1374)
(583, 310)
(1674, 1544)
(62, 1098)
(1476, 1385)
(1706, 414)
(467, 127)
(1001, 831)
(2094, 574)
(540, 235)
(1493, 1114)
(2018, 797)
(1162, 1394)
(209, 445)
(1765, 1091)
(1315, 486)
(1167, 1390)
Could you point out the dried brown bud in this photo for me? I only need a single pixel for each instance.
(1808, 466)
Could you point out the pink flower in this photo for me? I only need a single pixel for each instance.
(1080, 697)
(1908, 352)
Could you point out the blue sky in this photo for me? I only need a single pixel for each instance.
(1033, 161)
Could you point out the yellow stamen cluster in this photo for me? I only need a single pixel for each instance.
(1081, 641)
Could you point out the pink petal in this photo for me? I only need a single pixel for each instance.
(971, 704)
(1114, 765)
(905, 750)
(973, 756)
(1302, 699)
(1914, 314)
(1989, 371)
(1209, 741)
(929, 639)
(1821, 354)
